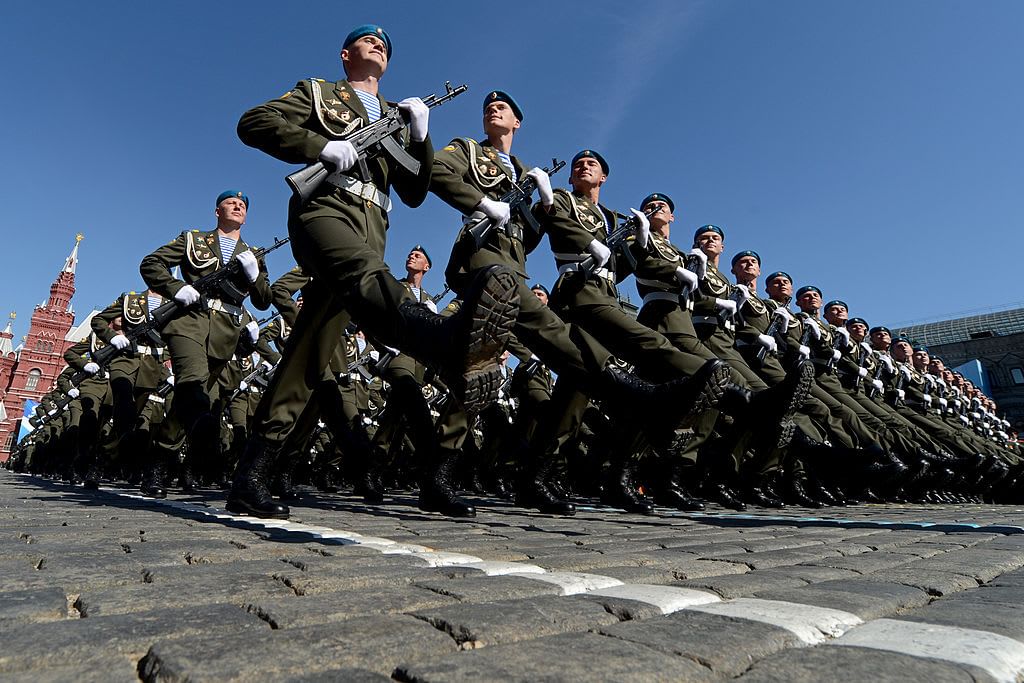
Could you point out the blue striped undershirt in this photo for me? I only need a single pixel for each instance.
(370, 103)
(154, 301)
(507, 161)
(227, 248)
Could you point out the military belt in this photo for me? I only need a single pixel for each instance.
(685, 302)
(149, 350)
(365, 191)
(714, 320)
(156, 399)
(597, 272)
(230, 309)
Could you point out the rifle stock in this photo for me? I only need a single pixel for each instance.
(518, 199)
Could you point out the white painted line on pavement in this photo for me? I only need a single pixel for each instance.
(1001, 657)
(442, 558)
(572, 583)
(668, 599)
(810, 624)
(502, 568)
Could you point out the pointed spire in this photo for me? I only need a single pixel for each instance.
(72, 259)
(10, 322)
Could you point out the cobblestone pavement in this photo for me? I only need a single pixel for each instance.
(108, 586)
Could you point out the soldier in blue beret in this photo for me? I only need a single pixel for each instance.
(591, 154)
(746, 253)
(658, 197)
(339, 239)
(232, 193)
(502, 96)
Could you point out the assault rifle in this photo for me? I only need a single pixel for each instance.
(616, 240)
(261, 373)
(370, 142)
(773, 328)
(444, 292)
(209, 286)
(519, 199)
(836, 340)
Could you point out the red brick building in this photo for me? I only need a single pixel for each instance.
(29, 371)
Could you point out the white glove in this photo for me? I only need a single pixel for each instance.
(418, 115)
(845, 334)
(250, 266)
(803, 352)
(886, 360)
(73, 392)
(702, 262)
(52, 412)
(266, 365)
(975, 416)
(643, 230)
(187, 295)
(867, 347)
(768, 342)
(900, 394)
(813, 327)
(600, 252)
(942, 382)
(91, 368)
(943, 403)
(687, 280)
(341, 154)
(726, 307)
(243, 385)
(956, 404)
(836, 355)
(745, 291)
(375, 355)
(905, 371)
(862, 372)
(785, 318)
(498, 212)
(431, 305)
(547, 197)
(170, 380)
(120, 342)
(963, 418)
(253, 328)
(877, 384)
(928, 400)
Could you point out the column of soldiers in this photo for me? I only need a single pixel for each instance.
(713, 391)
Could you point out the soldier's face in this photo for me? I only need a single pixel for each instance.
(366, 53)
(921, 360)
(499, 119)
(857, 331)
(711, 243)
(881, 340)
(232, 210)
(901, 351)
(746, 269)
(541, 296)
(936, 367)
(780, 288)
(837, 315)
(416, 262)
(809, 301)
(587, 173)
(660, 219)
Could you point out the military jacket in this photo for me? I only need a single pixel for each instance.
(282, 293)
(465, 171)
(655, 271)
(272, 340)
(79, 355)
(142, 361)
(295, 128)
(755, 318)
(220, 324)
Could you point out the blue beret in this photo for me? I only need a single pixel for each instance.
(419, 248)
(807, 288)
(368, 30)
(708, 228)
(836, 302)
(747, 252)
(902, 339)
(541, 288)
(593, 155)
(880, 328)
(918, 346)
(232, 193)
(779, 273)
(862, 321)
(658, 197)
(502, 96)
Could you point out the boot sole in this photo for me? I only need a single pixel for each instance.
(491, 316)
(241, 508)
(709, 394)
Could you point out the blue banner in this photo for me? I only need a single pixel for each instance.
(975, 371)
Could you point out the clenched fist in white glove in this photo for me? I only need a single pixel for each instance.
(187, 295)
(120, 342)
(845, 334)
(886, 361)
(768, 342)
(725, 307)
(243, 385)
(785, 318)
(73, 392)
(836, 355)
(498, 212)
(744, 295)
(862, 372)
(900, 394)
(600, 252)
(803, 352)
(266, 365)
(643, 230)
(702, 262)
(418, 116)
(250, 266)
(91, 368)
(877, 384)
(687, 280)
(547, 197)
(813, 327)
(340, 154)
(253, 328)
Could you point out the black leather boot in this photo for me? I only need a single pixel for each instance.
(669, 491)
(437, 493)
(249, 494)
(154, 479)
(368, 479)
(620, 491)
(466, 347)
(535, 491)
(679, 400)
(721, 493)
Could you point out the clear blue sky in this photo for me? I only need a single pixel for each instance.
(871, 148)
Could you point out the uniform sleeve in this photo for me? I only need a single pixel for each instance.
(276, 127)
(156, 268)
(101, 321)
(263, 347)
(259, 291)
(448, 182)
(78, 355)
(413, 188)
(564, 231)
(282, 291)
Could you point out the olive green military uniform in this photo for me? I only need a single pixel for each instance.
(338, 239)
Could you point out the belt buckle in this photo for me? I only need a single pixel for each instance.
(368, 192)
